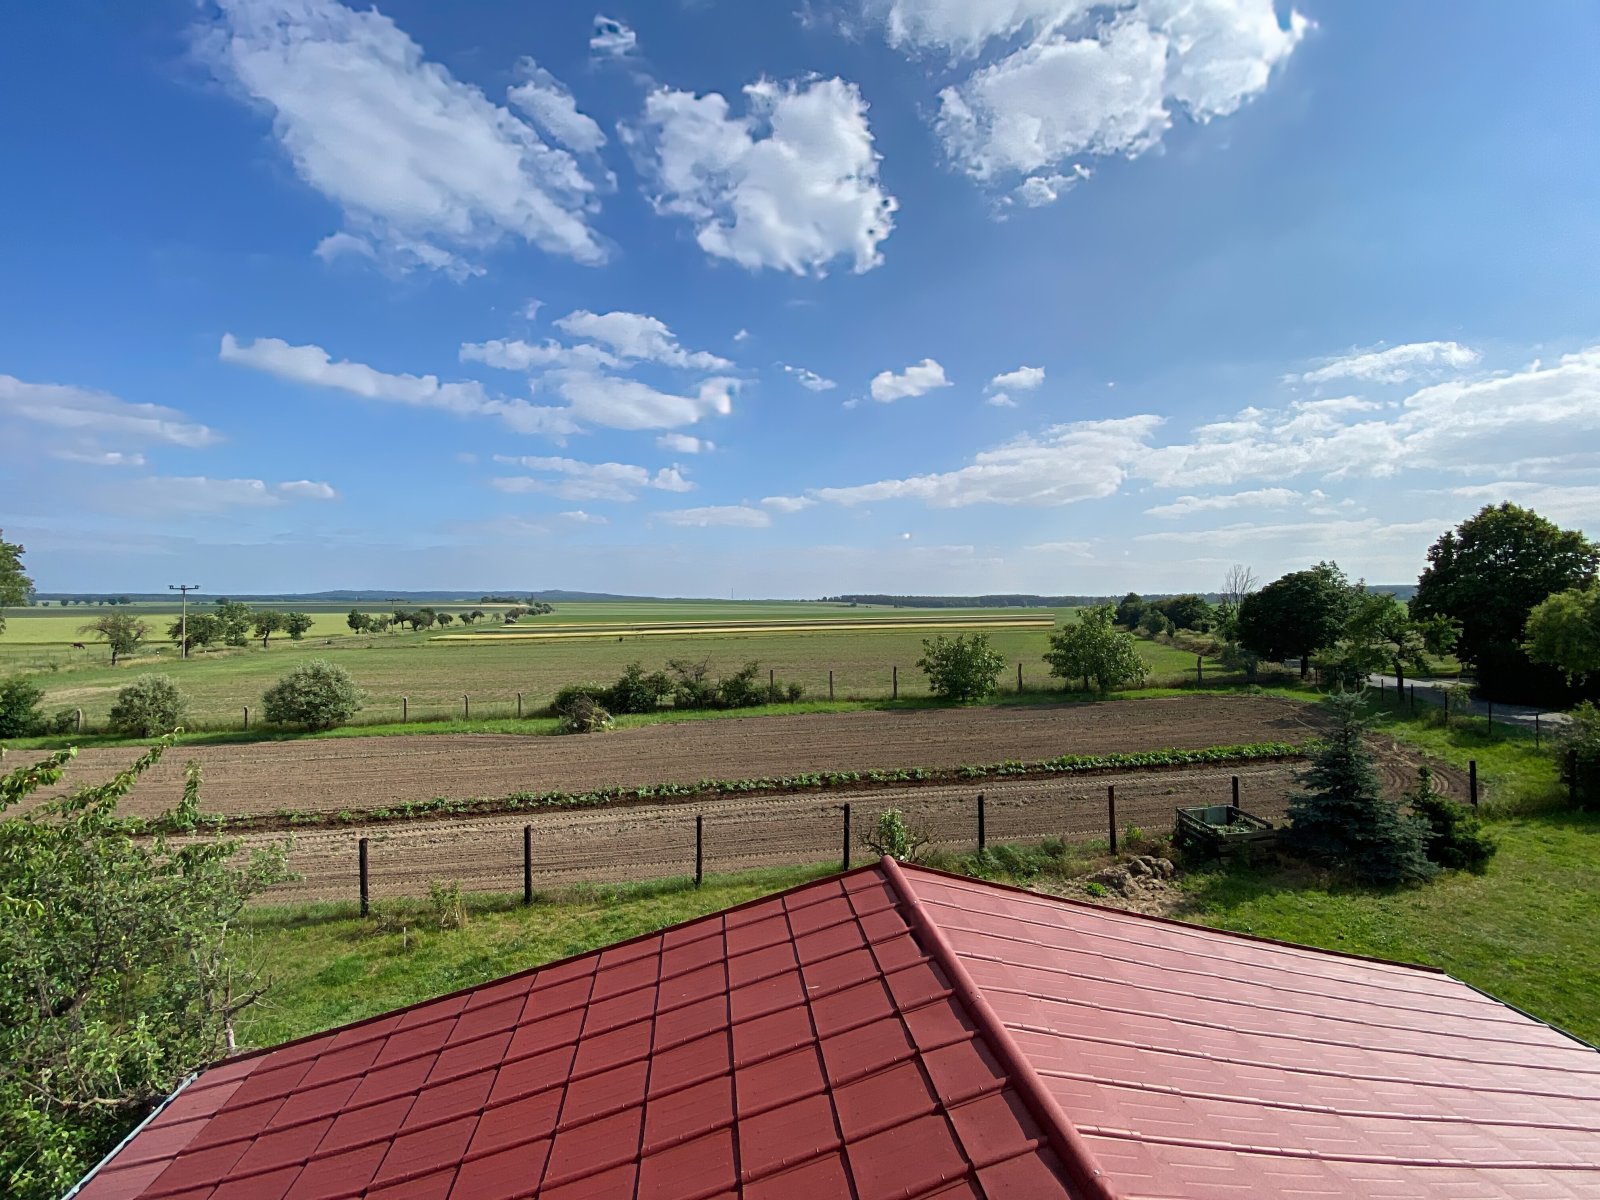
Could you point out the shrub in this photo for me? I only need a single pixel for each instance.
(893, 837)
(636, 692)
(1343, 821)
(446, 905)
(691, 684)
(585, 714)
(568, 697)
(1577, 753)
(794, 693)
(742, 689)
(965, 667)
(19, 707)
(315, 695)
(1456, 838)
(150, 705)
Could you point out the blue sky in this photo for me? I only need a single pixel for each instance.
(789, 299)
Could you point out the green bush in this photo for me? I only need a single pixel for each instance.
(150, 705)
(1577, 752)
(1456, 838)
(965, 667)
(585, 714)
(636, 692)
(742, 689)
(19, 707)
(568, 697)
(315, 695)
(691, 684)
(892, 836)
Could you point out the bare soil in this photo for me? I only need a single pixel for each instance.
(363, 773)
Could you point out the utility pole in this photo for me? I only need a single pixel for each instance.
(183, 630)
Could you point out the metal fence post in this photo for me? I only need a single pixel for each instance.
(1535, 731)
(983, 833)
(527, 864)
(699, 849)
(405, 709)
(772, 682)
(1019, 679)
(366, 906)
(1111, 814)
(830, 685)
(895, 681)
(1235, 781)
(1413, 697)
(1472, 781)
(846, 808)
(1491, 717)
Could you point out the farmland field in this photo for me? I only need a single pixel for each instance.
(433, 674)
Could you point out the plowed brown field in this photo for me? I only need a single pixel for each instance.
(653, 841)
(361, 773)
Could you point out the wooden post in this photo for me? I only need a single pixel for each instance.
(1572, 777)
(78, 719)
(895, 681)
(1535, 731)
(466, 708)
(983, 833)
(405, 706)
(1019, 679)
(1235, 780)
(1111, 814)
(527, 864)
(830, 685)
(247, 716)
(772, 682)
(1199, 668)
(846, 808)
(1472, 781)
(519, 706)
(1491, 717)
(699, 849)
(1413, 697)
(361, 848)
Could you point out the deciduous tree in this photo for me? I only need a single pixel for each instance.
(204, 629)
(1297, 615)
(121, 632)
(268, 621)
(15, 586)
(965, 667)
(296, 624)
(1093, 650)
(1397, 638)
(1564, 632)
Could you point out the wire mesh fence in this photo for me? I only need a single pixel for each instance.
(513, 854)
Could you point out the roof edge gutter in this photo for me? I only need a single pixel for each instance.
(1082, 1168)
(132, 1133)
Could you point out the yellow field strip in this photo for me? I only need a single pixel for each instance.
(679, 631)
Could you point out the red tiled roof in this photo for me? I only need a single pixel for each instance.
(896, 1032)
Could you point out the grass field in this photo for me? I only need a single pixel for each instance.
(434, 674)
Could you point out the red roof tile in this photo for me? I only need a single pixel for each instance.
(895, 1032)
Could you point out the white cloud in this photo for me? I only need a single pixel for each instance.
(426, 169)
(629, 404)
(635, 336)
(1086, 460)
(916, 380)
(530, 310)
(584, 518)
(683, 443)
(1185, 506)
(1396, 364)
(1318, 539)
(307, 489)
(1079, 87)
(735, 516)
(340, 245)
(577, 480)
(86, 411)
(742, 335)
(612, 38)
(792, 185)
(1021, 380)
(517, 355)
(100, 458)
(200, 494)
(1000, 400)
(1576, 505)
(546, 100)
(788, 504)
(313, 365)
(809, 380)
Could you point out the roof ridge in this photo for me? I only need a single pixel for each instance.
(1076, 1156)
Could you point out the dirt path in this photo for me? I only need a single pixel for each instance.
(360, 773)
(654, 841)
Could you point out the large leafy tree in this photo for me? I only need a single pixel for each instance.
(119, 631)
(15, 586)
(120, 973)
(1297, 615)
(267, 621)
(965, 667)
(1564, 632)
(1094, 650)
(233, 618)
(201, 628)
(1386, 634)
(1488, 573)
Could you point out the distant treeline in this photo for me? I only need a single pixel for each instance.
(1005, 601)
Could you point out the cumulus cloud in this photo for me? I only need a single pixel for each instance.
(1000, 400)
(518, 355)
(200, 494)
(427, 170)
(742, 335)
(611, 38)
(548, 103)
(1085, 460)
(1088, 79)
(683, 443)
(734, 516)
(577, 480)
(916, 380)
(788, 504)
(636, 336)
(100, 458)
(307, 489)
(1398, 364)
(315, 366)
(1566, 505)
(578, 516)
(792, 185)
(88, 412)
(1185, 506)
(809, 380)
(1021, 380)
(629, 404)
